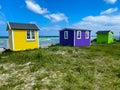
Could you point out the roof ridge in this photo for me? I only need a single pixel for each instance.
(22, 26)
(75, 29)
(20, 23)
(103, 32)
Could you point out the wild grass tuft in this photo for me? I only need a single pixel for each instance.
(95, 67)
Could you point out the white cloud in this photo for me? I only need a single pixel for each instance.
(33, 22)
(31, 5)
(102, 22)
(110, 1)
(57, 17)
(109, 11)
(50, 30)
(56, 27)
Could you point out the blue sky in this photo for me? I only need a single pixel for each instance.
(54, 15)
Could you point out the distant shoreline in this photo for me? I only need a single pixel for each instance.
(39, 36)
(116, 37)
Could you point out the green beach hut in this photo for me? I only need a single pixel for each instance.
(105, 37)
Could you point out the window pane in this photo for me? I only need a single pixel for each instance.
(66, 35)
(87, 34)
(33, 34)
(79, 34)
(28, 34)
(111, 36)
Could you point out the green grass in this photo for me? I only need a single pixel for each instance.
(95, 67)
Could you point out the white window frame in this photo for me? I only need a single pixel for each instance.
(31, 39)
(78, 34)
(65, 34)
(87, 34)
(111, 36)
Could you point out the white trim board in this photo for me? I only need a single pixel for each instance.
(74, 38)
(38, 38)
(9, 26)
(13, 46)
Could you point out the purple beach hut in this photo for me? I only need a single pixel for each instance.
(75, 37)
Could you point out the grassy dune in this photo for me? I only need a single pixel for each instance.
(62, 68)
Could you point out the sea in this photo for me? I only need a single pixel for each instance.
(42, 40)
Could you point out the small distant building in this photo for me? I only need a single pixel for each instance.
(75, 37)
(22, 36)
(105, 37)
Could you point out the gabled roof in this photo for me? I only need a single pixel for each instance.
(21, 26)
(74, 29)
(103, 32)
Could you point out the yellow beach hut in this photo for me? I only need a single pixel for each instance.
(22, 36)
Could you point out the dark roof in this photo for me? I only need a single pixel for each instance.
(21, 26)
(74, 29)
(103, 32)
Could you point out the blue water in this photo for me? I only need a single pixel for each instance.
(2, 40)
(48, 40)
(42, 40)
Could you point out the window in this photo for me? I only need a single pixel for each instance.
(65, 34)
(30, 35)
(33, 34)
(78, 34)
(87, 35)
(111, 36)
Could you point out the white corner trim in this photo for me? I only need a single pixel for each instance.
(34, 33)
(38, 38)
(74, 38)
(13, 46)
(26, 34)
(9, 25)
